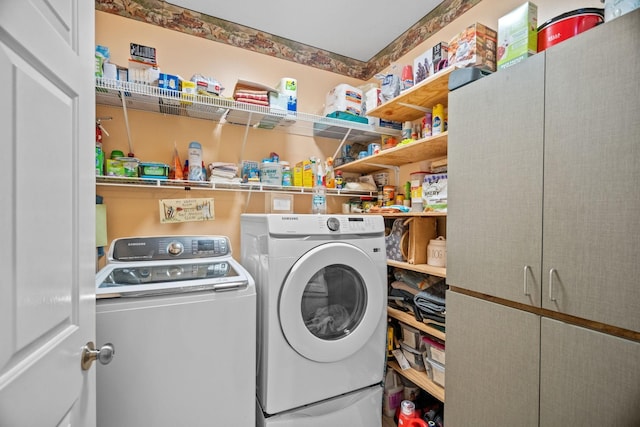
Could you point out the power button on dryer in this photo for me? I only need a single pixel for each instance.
(333, 224)
(175, 248)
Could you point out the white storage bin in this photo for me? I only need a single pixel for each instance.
(412, 338)
(434, 349)
(415, 357)
(435, 371)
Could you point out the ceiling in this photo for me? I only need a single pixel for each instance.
(357, 29)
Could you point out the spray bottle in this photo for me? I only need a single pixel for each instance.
(99, 150)
(319, 198)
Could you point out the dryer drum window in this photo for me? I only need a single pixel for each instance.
(334, 302)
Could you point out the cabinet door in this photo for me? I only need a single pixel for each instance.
(592, 175)
(495, 150)
(587, 377)
(492, 369)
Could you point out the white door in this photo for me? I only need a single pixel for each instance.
(47, 217)
(330, 302)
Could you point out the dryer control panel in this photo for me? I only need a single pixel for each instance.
(168, 248)
(311, 225)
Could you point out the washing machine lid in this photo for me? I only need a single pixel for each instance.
(136, 279)
(354, 310)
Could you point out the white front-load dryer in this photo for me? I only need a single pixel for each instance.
(322, 296)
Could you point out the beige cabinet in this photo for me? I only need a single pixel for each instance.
(542, 316)
(511, 367)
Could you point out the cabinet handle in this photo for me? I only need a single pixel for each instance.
(551, 272)
(526, 282)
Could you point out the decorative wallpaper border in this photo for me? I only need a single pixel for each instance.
(166, 15)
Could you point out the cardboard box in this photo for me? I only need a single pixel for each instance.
(168, 81)
(297, 175)
(474, 47)
(517, 35)
(431, 62)
(188, 89)
(305, 170)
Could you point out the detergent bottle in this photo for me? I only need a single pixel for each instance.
(408, 416)
(393, 389)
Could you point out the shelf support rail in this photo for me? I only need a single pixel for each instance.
(415, 107)
(246, 135)
(395, 169)
(342, 141)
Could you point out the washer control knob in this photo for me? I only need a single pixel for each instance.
(175, 248)
(333, 224)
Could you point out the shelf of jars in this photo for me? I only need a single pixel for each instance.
(227, 111)
(173, 184)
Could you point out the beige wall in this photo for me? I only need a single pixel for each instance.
(134, 211)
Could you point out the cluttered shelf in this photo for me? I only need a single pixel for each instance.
(411, 104)
(219, 109)
(431, 327)
(420, 379)
(429, 148)
(174, 184)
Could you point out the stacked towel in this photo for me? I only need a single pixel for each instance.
(254, 97)
(221, 171)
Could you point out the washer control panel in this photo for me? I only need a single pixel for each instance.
(168, 247)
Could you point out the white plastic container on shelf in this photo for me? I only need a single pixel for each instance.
(195, 162)
(435, 371)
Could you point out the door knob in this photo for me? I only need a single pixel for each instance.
(89, 353)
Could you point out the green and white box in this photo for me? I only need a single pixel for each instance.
(517, 35)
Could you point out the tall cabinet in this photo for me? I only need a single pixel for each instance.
(543, 326)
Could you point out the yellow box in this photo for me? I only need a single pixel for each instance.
(188, 90)
(297, 175)
(307, 173)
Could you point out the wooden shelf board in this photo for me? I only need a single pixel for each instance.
(429, 92)
(420, 268)
(425, 326)
(422, 149)
(420, 379)
(409, 214)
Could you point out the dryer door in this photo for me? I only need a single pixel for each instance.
(331, 302)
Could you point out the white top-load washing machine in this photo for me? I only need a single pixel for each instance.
(180, 312)
(322, 294)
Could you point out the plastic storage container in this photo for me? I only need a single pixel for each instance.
(271, 173)
(435, 371)
(434, 350)
(411, 337)
(414, 357)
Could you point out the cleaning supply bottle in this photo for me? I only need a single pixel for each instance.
(185, 170)
(393, 390)
(319, 198)
(177, 164)
(195, 161)
(408, 416)
(99, 150)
